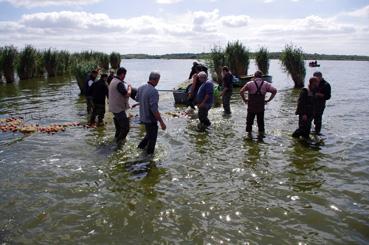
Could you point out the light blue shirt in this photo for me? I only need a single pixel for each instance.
(148, 97)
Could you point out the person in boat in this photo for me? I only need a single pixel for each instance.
(204, 100)
(227, 84)
(89, 81)
(99, 93)
(119, 93)
(306, 108)
(257, 89)
(323, 94)
(148, 98)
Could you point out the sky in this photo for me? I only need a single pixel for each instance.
(186, 26)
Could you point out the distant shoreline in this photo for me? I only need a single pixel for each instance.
(272, 55)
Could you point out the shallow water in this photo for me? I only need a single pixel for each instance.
(214, 187)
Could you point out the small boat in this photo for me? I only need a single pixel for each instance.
(242, 80)
(314, 64)
(181, 93)
(180, 96)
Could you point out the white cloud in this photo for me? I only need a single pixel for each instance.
(43, 3)
(363, 12)
(167, 1)
(311, 25)
(189, 32)
(235, 20)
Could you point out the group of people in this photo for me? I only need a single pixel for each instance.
(118, 93)
(310, 107)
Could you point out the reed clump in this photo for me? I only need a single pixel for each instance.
(9, 56)
(238, 58)
(292, 59)
(262, 60)
(115, 59)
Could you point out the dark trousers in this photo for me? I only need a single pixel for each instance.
(99, 111)
(226, 98)
(149, 140)
(318, 119)
(121, 123)
(89, 103)
(203, 116)
(304, 128)
(250, 121)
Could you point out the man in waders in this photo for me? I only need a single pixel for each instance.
(322, 94)
(256, 101)
(119, 93)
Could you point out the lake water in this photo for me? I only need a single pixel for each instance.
(75, 187)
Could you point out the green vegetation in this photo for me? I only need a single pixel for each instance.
(115, 60)
(217, 58)
(8, 62)
(104, 61)
(238, 58)
(50, 61)
(81, 71)
(62, 63)
(292, 59)
(40, 64)
(27, 62)
(262, 60)
(1, 63)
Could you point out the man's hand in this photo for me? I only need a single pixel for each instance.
(304, 118)
(320, 95)
(162, 125)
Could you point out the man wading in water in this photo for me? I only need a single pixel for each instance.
(256, 102)
(323, 94)
(148, 98)
(119, 93)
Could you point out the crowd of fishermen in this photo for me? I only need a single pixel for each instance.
(311, 102)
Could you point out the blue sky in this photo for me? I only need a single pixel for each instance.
(176, 26)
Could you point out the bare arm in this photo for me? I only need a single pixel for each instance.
(160, 120)
(242, 93)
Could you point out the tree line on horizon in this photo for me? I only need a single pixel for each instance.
(272, 55)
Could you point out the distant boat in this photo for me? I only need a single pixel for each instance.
(314, 64)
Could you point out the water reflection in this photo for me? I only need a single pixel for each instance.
(305, 172)
(252, 153)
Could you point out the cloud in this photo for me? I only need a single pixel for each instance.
(43, 3)
(311, 25)
(363, 12)
(235, 20)
(188, 32)
(205, 21)
(167, 1)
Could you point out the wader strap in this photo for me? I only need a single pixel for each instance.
(258, 89)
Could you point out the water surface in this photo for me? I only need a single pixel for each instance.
(214, 187)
